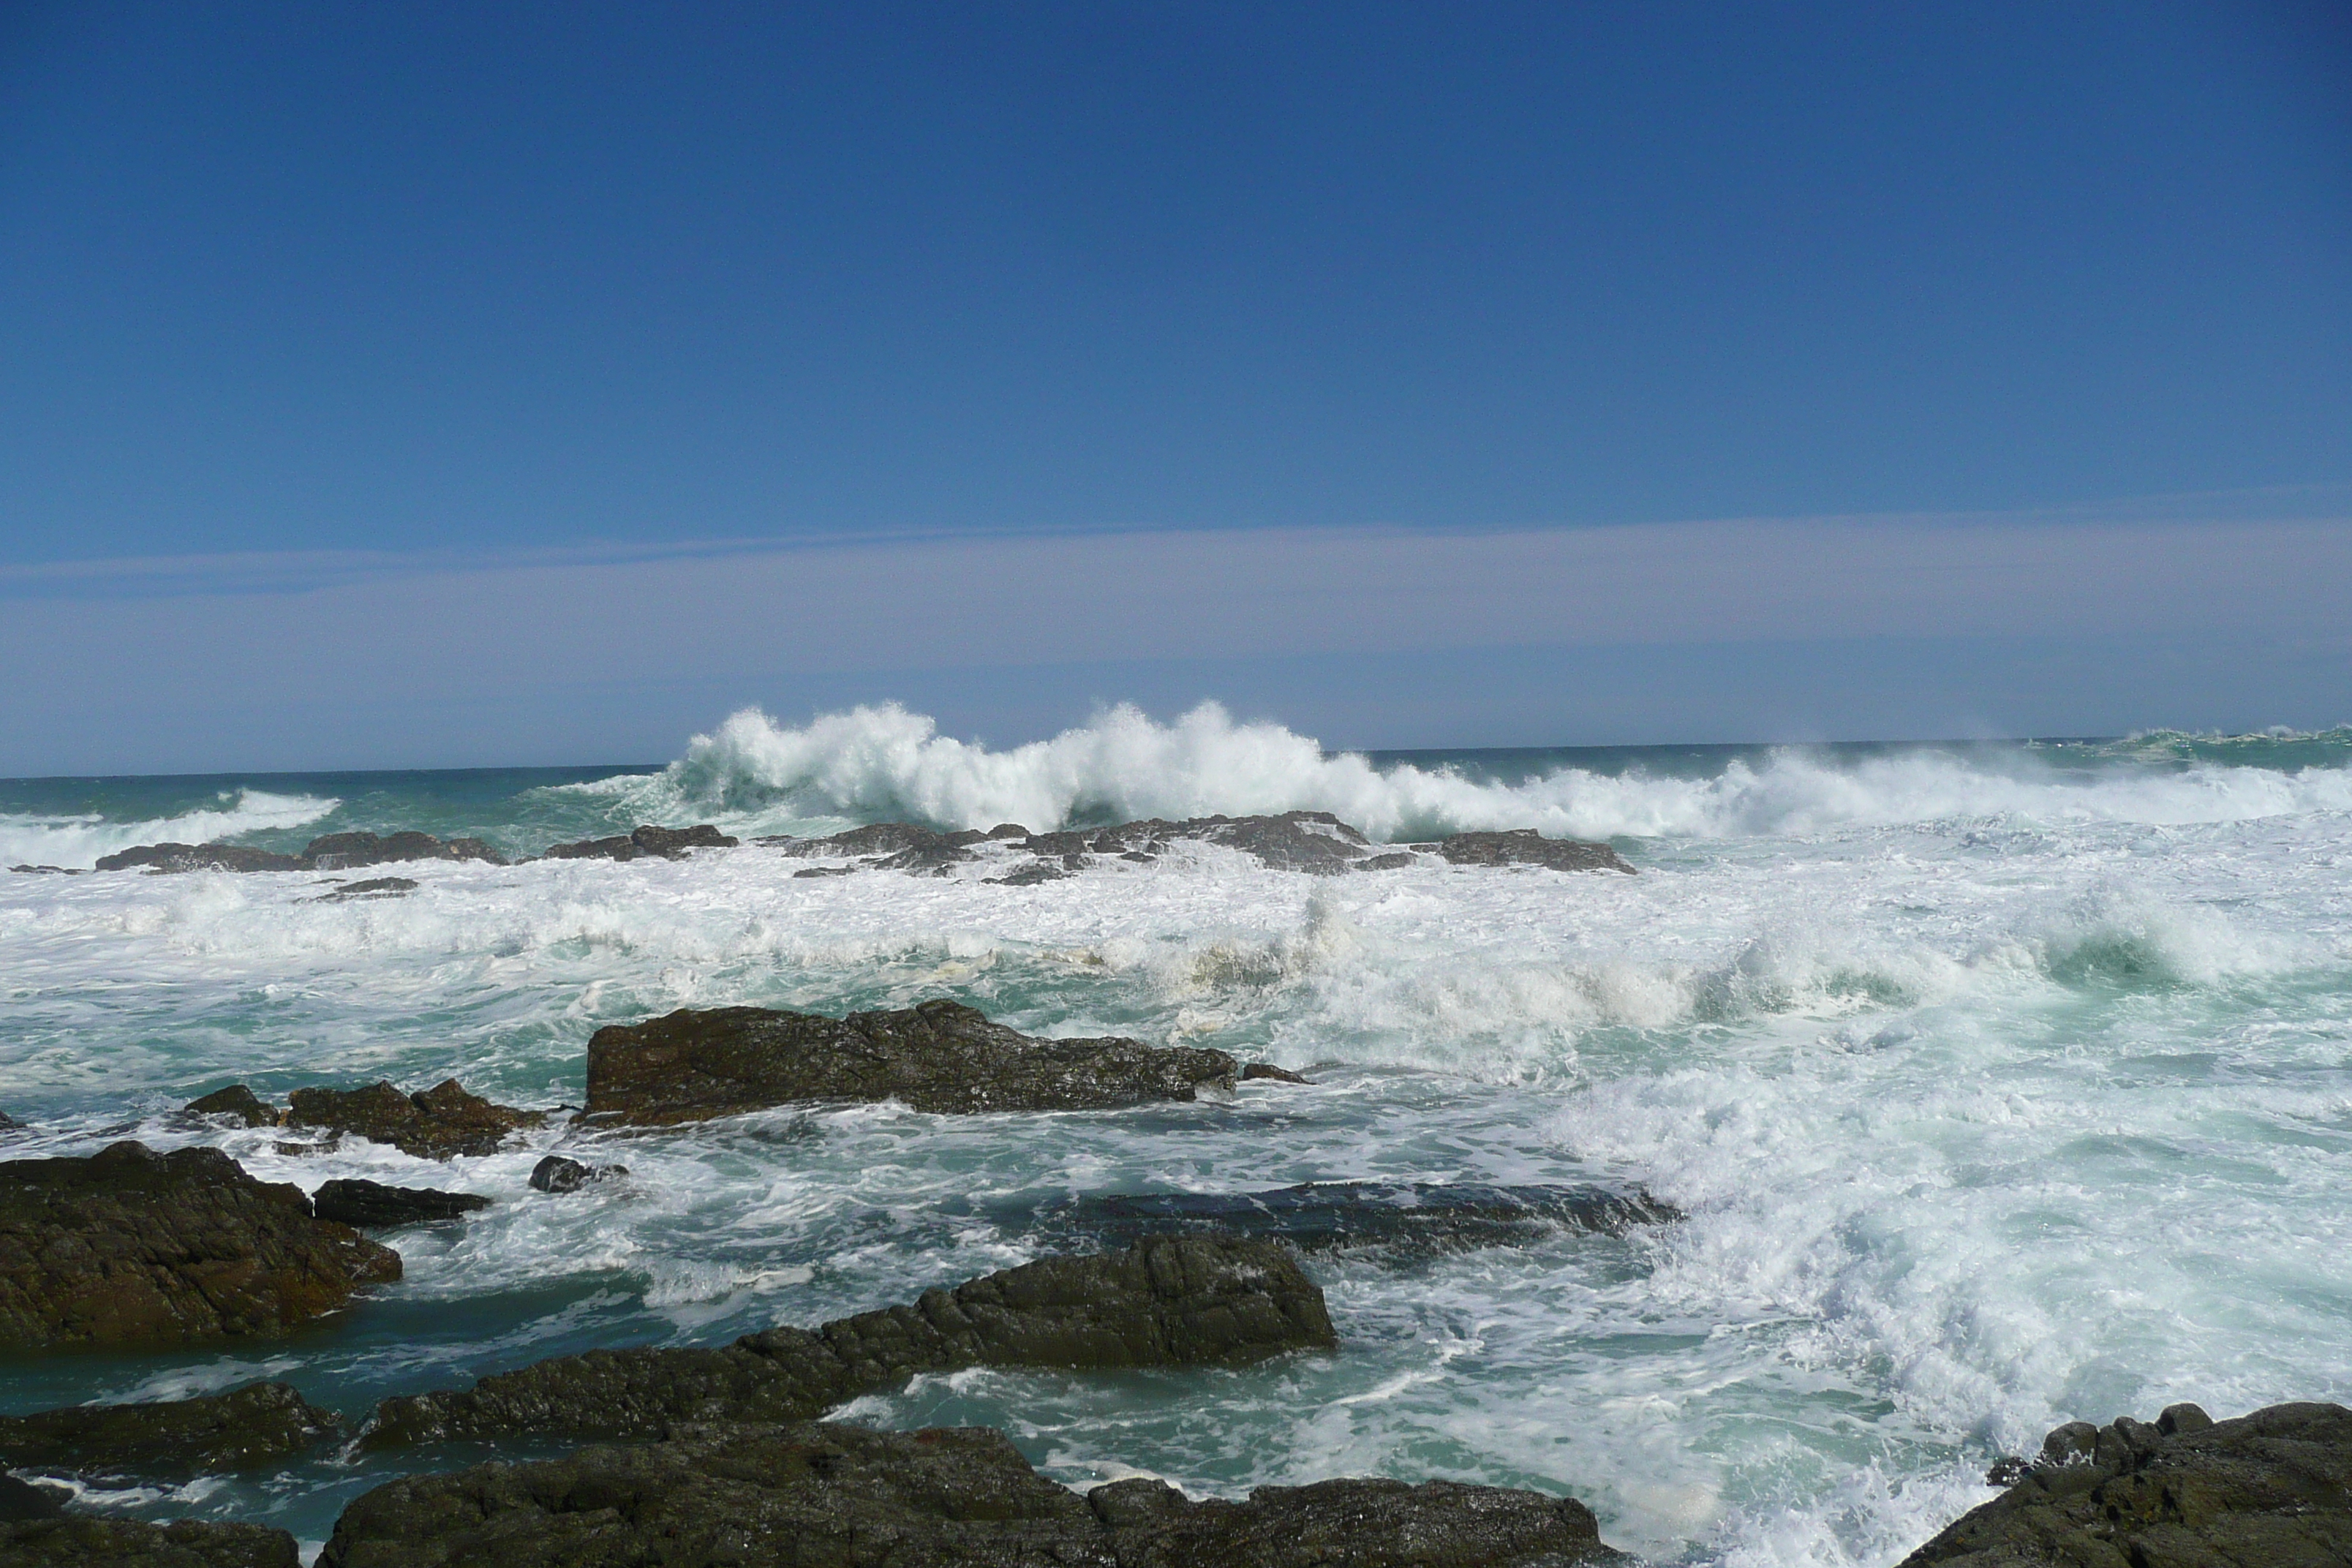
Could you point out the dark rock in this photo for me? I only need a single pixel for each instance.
(7, 1122)
(1008, 830)
(431, 1124)
(1525, 847)
(132, 1247)
(557, 1174)
(238, 1102)
(2273, 1487)
(1419, 1217)
(828, 870)
(822, 1495)
(890, 847)
(1394, 860)
(80, 1542)
(256, 1425)
(371, 1206)
(22, 1501)
(658, 843)
(941, 1057)
(46, 870)
(1166, 1301)
(1267, 1069)
(348, 851)
(176, 858)
(374, 887)
(1027, 875)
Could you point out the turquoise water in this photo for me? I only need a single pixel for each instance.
(2003, 1084)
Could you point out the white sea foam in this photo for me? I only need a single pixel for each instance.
(76, 841)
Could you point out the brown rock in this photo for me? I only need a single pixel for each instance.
(256, 1425)
(238, 1102)
(431, 1124)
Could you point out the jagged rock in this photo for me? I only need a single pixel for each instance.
(348, 851)
(431, 1124)
(238, 1102)
(1394, 860)
(254, 1424)
(2273, 1487)
(693, 1064)
(557, 1174)
(21, 1501)
(823, 1495)
(371, 1206)
(1268, 1070)
(1525, 847)
(80, 1542)
(177, 858)
(373, 887)
(132, 1247)
(1419, 1218)
(660, 843)
(1166, 1301)
(1027, 875)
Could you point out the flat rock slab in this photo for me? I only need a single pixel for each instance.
(1167, 1301)
(1412, 1217)
(85, 1543)
(131, 1247)
(820, 1495)
(372, 1206)
(2273, 1488)
(940, 1057)
(259, 1423)
(433, 1124)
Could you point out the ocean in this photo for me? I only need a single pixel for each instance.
(2002, 1084)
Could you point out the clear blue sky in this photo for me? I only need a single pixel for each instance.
(473, 280)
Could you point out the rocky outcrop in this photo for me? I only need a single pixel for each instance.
(129, 1247)
(80, 1542)
(236, 1103)
(257, 1424)
(820, 1495)
(332, 852)
(1415, 1217)
(2184, 1491)
(371, 1206)
(433, 1124)
(557, 1174)
(657, 843)
(1525, 847)
(693, 1064)
(1167, 1301)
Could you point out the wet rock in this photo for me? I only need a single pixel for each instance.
(1394, 860)
(1166, 1301)
(1268, 1070)
(695, 1064)
(371, 1206)
(647, 841)
(236, 1103)
(259, 1423)
(1417, 1218)
(846, 1496)
(431, 1124)
(8, 1122)
(1525, 847)
(80, 1542)
(46, 870)
(888, 846)
(2272, 1487)
(373, 887)
(348, 851)
(557, 1174)
(21, 1501)
(1027, 875)
(129, 1247)
(179, 857)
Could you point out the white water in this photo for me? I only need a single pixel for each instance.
(76, 840)
(1999, 1094)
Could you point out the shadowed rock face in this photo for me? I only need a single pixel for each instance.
(1168, 1301)
(256, 1425)
(333, 852)
(132, 1247)
(648, 841)
(371, 1206)
(1411, 1217)
(2273, 1488)
(431, 1124)
(819, 1495)
(85, 1543)
(941, 1057)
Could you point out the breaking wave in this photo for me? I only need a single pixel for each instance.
(78, 840)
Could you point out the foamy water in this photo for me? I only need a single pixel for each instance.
(2002, 1086)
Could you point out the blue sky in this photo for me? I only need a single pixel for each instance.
(331, 331)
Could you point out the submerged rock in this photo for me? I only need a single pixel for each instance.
(659, 843)
(238, 1103)
(693, 1064)
(131, 1247)
(254, 1424)
(371, 1206)
(1525, 847)
(823, 1495)
(1166, 1301)
(431, 1124)
(81, 1542)
(2185, 1491)
(557, 1174)
(1416, 1216)
(373, 887)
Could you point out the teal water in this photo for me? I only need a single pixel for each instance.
(2003, 1084)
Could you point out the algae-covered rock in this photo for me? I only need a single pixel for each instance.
(256, 1425)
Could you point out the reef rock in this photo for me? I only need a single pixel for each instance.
(131, 1247)
(431, 1124)
(821, 1495)
(80, 1542)
(1525, 847)
(333, 852)
(2185, 1491)
(371, 1206)
(1166, 1301)
(658, 843)
(256, 1425)
(693, 1064)
(176, 858)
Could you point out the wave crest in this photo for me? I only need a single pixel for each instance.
(76, 841)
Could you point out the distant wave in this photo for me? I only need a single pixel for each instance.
(874, 763)
(78, 841)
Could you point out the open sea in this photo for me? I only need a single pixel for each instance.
(2002, 1083)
